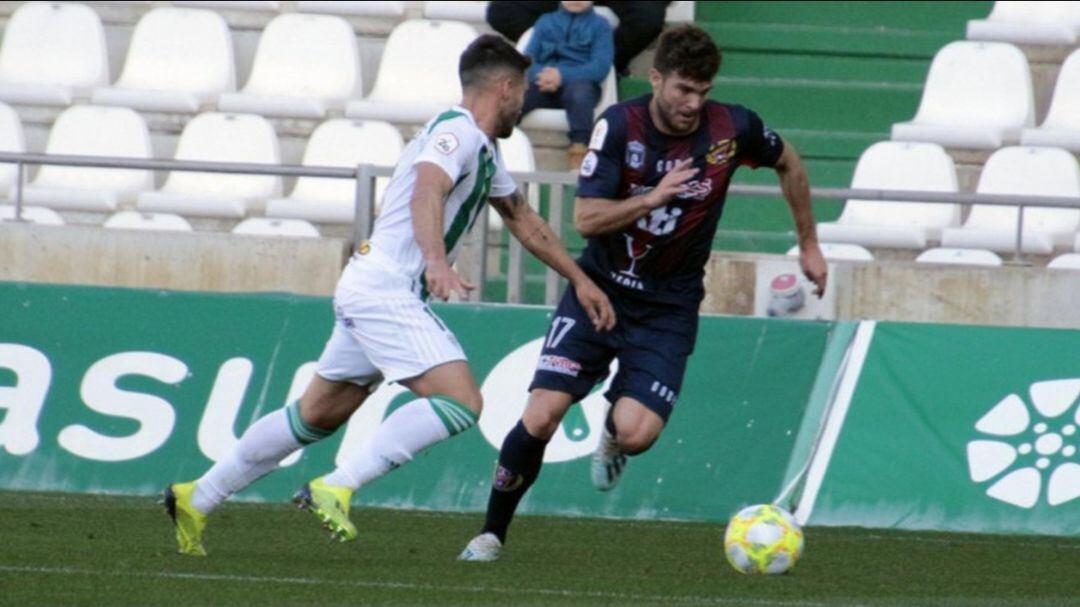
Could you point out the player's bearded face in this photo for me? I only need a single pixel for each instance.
(680, 101)
(510, 108)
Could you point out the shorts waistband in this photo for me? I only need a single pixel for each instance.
(367, 252)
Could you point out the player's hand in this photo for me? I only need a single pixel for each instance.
(673, 184)
(596, 304)
(814, 267)
(442, 281)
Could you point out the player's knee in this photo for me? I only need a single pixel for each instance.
(545, 412)
(636, 440)
(473, 400)
(541, 422)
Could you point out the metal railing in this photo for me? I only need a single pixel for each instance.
(474, 261)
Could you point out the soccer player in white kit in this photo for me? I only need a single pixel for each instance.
(383, 330)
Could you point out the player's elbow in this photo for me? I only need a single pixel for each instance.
(585, 220)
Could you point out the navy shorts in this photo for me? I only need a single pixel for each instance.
(651, 342)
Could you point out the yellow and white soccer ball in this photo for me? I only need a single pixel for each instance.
(763, 539)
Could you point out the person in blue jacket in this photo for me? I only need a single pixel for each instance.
(572, 53)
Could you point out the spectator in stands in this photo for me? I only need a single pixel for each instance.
(571, 50)
(640, 22)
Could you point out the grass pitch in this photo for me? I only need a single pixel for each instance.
(58, 549)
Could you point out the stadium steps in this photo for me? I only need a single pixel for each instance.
(831, 77)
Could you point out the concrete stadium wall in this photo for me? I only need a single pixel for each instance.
(1012, 295)
(164, 260)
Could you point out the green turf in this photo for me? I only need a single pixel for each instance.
(95, 550)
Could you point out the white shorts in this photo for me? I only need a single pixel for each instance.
(382, 329)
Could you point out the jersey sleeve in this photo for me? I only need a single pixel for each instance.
(601, 170)
(450, 146)
(502, 184)
(761, 146)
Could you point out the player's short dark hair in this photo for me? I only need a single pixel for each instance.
(486, 56)
(688, 51)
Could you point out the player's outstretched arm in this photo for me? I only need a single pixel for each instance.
(796, 187)
(598, 216)
(539, 239)
(432, 187)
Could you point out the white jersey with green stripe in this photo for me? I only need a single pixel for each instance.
(453, 142)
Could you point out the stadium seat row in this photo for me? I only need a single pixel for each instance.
(214, 136)
(979, 95)
(938, 255)
(473, 11)
(1024, 22)
(180, 60)
(1016, 170)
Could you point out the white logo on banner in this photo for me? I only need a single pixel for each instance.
(1026, 447)
(505, 392)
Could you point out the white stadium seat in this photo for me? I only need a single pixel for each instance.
(11, 140)
(52, 53)
(344, 143)
(219, 137)
(418, 74)
(36, 215)
(369, 8)
(305, 65)
(260, 226)
(517, 156)
(839, 251)
(970, 257)
(88, 130)
(1068, 261)
(462, 10)
(1031, 171)
(1029, 23)
(134, 220)
(680, 11)
(893, 165)
(1061, 128)
(555, 119)
(978, 95)
(180, 60)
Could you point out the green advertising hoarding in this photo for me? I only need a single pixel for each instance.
(122, 391)
(961, 429)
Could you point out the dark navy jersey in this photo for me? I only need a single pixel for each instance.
(662, 256)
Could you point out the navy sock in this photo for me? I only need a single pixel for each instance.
(519, 464)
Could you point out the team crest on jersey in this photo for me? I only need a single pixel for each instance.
(635, 154)
(446, 143)
(721, 152)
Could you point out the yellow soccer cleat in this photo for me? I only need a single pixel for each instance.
(330, 505)
(188, 521)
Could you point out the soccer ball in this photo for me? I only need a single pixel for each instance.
(763, 539)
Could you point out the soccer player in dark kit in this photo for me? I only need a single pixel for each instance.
(650, 194)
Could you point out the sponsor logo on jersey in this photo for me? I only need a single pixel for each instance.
(721, 152)
(446, 143)
(599, 135)
(697, 189)
(771, 136)
(635, 154)
(559, 364)
(588, 164)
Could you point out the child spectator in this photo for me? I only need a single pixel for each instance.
(572, 51)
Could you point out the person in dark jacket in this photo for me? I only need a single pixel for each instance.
(572, 51)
